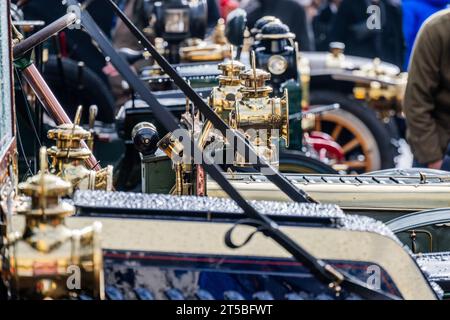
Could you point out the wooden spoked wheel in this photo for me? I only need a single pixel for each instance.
(357, 141)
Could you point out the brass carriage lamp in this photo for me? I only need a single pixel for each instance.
(47, 251)
(258, 114)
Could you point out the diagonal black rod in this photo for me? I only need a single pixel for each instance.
(272, 175)
(161, 113)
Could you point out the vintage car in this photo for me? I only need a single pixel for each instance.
(156, 246)
(360, 136)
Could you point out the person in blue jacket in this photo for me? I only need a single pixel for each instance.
(415, 12)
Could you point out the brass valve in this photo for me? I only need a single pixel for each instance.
(68, 157)
(47, 253)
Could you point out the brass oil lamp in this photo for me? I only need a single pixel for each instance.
(258, 115)
(49, 260)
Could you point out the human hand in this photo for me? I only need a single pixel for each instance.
(436, 165)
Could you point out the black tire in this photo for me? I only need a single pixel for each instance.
(65, 86)
(384, 150)
(292, 161)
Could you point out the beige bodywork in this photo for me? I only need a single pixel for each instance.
(378, 197)
(208, 238)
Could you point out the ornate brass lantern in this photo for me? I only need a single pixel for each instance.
(69, 156)
(49, 260)
(258, 114)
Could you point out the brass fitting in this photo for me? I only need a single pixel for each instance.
(260, 113)
(224, 96)
(184, 171)
(335, 58)
(68, 158)
(254, 84)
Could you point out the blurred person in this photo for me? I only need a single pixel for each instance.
(353, 27)
(214, 13)
(122, 38)
(290, 12)
(135, 10)
(415, 12)
(312, 7)
(323, 22)
(427, 97)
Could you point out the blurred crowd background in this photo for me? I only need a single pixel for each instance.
(319, 22)
(316, 23)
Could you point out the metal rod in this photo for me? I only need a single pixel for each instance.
(272, 174)
(324, 272)
(37, 38)
(51, 104)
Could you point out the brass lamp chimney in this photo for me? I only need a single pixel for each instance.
(224, 96)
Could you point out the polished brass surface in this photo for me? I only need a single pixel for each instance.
(216, 48)
(224, 96)
(384, 90)
(243, 100)
(93, 111)
(172, 147)
(258, 114)
(48, 260)
(184, 170)
(69, 154)
(203, 53)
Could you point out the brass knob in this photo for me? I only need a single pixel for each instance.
(337, 48)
